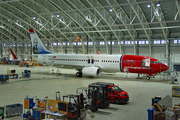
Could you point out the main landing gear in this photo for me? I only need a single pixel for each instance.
(79, 74)
(141, 77)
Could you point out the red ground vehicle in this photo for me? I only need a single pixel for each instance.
(116, 94)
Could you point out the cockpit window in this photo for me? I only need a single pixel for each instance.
(155, 62)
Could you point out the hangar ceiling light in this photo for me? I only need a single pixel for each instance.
(148, 5)
(158, 4)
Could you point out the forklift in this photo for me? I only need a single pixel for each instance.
(102, 95)
(75, 105)
(90, 98)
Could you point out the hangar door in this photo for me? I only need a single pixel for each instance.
(177, 67)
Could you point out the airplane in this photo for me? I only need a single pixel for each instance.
(93, 64)
(16, 60)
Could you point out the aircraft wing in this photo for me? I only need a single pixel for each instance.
(71, 66)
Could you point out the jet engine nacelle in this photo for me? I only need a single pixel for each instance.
(91, 71)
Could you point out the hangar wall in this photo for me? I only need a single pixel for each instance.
(157, 50)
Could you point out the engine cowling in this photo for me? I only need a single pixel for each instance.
(91, 71)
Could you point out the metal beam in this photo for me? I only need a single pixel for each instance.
(9, 12)
(118, 25)
(141, 17)
(68, 15)
(155, 28)
(163, 25)
(13, 27)
(178, 6)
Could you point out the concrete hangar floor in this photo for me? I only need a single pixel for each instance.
(43, 83)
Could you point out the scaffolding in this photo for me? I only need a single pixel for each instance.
(171, 73)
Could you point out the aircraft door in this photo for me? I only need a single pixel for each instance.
(146, 63)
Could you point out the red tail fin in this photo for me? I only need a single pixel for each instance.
(13, 54)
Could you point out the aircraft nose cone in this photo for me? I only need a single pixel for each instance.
(167, 67)
(164, 67)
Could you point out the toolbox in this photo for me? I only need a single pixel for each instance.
(28, 103)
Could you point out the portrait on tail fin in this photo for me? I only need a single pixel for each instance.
(35, 47)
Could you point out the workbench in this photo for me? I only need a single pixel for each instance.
(63, 116)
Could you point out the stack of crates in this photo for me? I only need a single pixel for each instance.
(2, 112)
(14, 109)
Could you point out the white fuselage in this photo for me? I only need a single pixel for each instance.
(109, 63)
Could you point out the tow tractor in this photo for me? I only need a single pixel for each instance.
(116, 94)
(102, 95)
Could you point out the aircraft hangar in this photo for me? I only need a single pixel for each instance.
(106, 27)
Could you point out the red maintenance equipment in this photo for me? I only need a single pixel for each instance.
(116, 94)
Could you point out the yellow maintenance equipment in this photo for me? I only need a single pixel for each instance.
(80, 39)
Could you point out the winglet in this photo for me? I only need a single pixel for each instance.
(31, 30)
(14, 56)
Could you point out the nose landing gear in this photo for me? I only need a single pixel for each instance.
(147, 78)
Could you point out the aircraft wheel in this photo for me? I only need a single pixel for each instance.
(116, 101)
(148, 78)
(79, 74)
